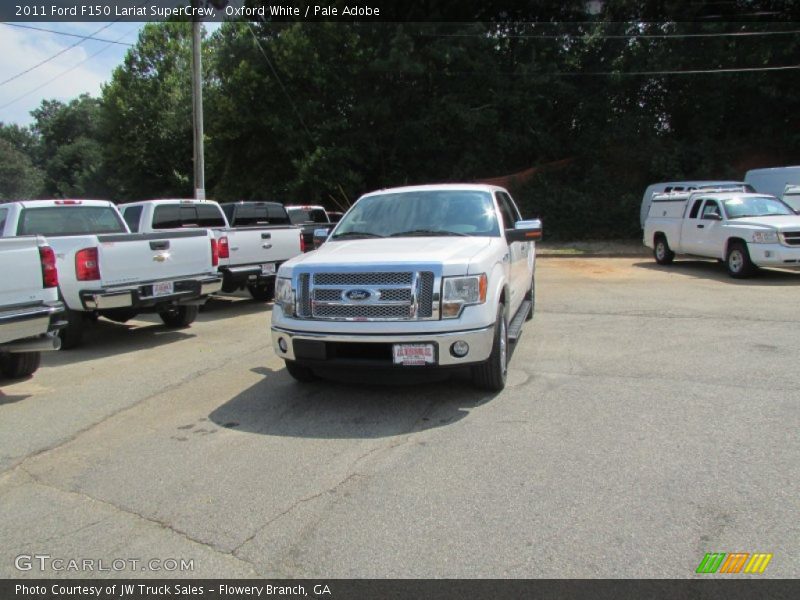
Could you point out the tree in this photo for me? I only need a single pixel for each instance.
(19, 178)
(70, 149)
(147, 116)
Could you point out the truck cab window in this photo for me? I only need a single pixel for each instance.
(695, 209)
(711, 208)
(3, 213)
(506, 212)
(132, 214)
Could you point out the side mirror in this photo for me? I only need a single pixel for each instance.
(320, 237)
(525, 231)
(712, 217)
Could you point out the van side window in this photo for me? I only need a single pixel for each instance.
(695, 208)
(3, 213)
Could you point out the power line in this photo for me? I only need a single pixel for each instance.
(280, 83)
(56, 55)
(84, 37)
(52, 79)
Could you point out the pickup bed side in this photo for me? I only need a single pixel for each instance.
(249, 256)
(29, 308)
(107, 271)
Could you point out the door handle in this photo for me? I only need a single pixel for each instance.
(700, 226)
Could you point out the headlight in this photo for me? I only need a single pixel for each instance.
(459, 292)
(284, 295)
(765, 237)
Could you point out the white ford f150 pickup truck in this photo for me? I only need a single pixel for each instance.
(104, 270)
(411, 278)
(744, 230)
(248, 256)
(29, 308)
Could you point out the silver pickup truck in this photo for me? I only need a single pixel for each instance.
(29, 308)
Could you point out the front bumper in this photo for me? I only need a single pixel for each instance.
(31, 321)
(774, 255)
(141, 296)
(374, 351)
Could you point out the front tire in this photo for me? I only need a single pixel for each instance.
(491, 375)
(662, 252)
(299, 372)
(738, 261)
(531, 297)
(264, 292)
(179, 316)
(20, 364)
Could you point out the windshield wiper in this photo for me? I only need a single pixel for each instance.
(423, 232)
(357, 234)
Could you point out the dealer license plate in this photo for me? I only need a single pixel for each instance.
(163, 288)
(413, 354)
(268, 269)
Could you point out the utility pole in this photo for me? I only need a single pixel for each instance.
(197, 107)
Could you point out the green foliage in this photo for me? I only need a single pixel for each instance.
(147, 116)
(19, 178)
(69, 149)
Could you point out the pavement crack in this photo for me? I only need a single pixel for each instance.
(153, 521)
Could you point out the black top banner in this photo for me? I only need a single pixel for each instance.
(550, 11)
(383, 589)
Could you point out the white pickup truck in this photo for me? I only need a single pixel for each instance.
(29, 308)
(104, 270)
(744, 230)
(248, 256)
(422, 277)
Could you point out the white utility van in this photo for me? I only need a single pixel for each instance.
(773, 181)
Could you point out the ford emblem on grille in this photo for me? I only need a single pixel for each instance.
(358, 295)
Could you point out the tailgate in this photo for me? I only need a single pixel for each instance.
(20, 271)
(263, 244)
(130, 258)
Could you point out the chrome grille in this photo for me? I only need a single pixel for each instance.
(367, 311)
(791, 238)
(304, 300)
(347, 279)
(390, 296)
(425, 298)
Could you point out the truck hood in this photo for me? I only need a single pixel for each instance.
(452, 251)
(781, 223)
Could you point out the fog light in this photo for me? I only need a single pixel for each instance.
(282, 345)
(459, 349)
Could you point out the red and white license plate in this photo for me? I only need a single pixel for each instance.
(163, 288)
(268, 269)
(413, 354)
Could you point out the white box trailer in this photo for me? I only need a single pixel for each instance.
(773, 181)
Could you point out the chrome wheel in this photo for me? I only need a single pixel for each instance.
(735, 260)
(503, 346)
(661, 252)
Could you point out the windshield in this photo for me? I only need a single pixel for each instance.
(69, 220)
(437, 212)
(755, 206)
(298, 216)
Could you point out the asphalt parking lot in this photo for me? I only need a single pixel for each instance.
(651, 416)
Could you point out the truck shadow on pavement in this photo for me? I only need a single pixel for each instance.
(337, 409)
(105, 338)
(230, 306)
(705, 269)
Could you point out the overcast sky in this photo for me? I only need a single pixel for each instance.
(83, 68)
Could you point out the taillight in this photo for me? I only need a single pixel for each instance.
(302, 243)
(224, 249)
(49, 271)
(87, 267)
(214, 253)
